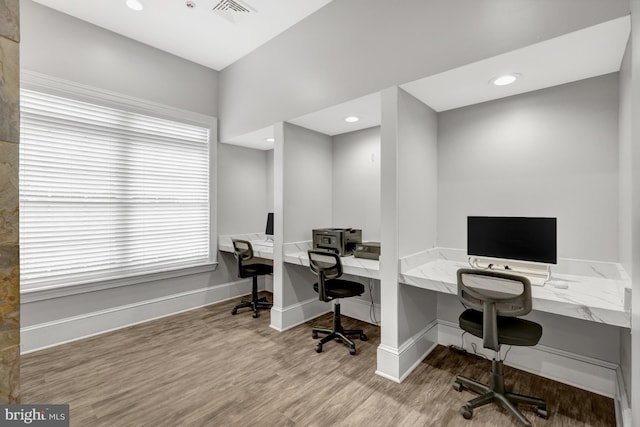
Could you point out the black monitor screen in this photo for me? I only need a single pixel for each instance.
(526, 239)
(269, 230)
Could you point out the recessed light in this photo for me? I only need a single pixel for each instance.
(135, 5)
(505, 79)
(351, 119)
(270, 139)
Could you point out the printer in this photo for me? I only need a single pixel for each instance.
(339, 240)
(368, 250)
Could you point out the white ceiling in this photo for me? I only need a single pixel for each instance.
(330, 121)
(586, 53)
(256, 139)
(590, 52)
(197, 34)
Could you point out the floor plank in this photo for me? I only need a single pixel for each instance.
(209, 368)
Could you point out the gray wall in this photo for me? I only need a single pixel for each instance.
(270, 178)
(625, 235)
(625, 161)
(310, 66)
(560, 332)
(308, 168)
(356, 182)
(307, 181)
(65, 47)
(243, 191)
(553, 152)
(417, 175)
(635, 155)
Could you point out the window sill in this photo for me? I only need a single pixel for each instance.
(57, 291)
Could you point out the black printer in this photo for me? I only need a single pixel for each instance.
(342, 241)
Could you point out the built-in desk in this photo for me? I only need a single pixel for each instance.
(296, 253)
(262, 248)
(350, 265)
(598, 292)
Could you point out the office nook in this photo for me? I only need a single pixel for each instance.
(329, 212)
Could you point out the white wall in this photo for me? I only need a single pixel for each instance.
(310, 67)
(356, 182)
(61, 46)
(553, 152)
(243, 190)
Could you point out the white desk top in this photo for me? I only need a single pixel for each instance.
(598, 299)
(296, 253)
(350, 265)
(262, 247)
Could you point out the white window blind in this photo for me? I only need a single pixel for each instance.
(106, 193)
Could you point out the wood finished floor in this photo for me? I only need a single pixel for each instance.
(208, 368)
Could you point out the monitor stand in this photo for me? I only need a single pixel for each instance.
(537, 273)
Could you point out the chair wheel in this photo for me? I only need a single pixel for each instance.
(234, 311)
(542, 413)
(363, 337)
(457, 386)
(255, 314)
(466, 412)
(352, 351)
(318, 348)
(314, 335)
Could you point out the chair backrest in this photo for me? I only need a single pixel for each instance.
(326, 265)
(242, 249)
(494, 294)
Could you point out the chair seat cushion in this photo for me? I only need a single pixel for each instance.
(338, 288)
(256, 269)
(511, 330)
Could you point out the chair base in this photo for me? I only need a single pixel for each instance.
(338, 333)
(256, 303)
(496, 393)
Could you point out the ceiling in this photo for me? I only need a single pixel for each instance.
(211, 38)
(586, 53)
(589, 52)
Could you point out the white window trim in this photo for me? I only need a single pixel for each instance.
(52, 85)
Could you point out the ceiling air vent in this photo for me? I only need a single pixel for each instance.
(233, 10)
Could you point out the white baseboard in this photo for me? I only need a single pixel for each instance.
(283, 318)
(50, 334)
(587, 373)
(623, 410)
(359, 309)
(396, 364)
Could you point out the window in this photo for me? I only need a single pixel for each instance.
(107, 193)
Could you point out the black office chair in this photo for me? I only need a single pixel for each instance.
(493, 299)
(243, 252)
(328, 267)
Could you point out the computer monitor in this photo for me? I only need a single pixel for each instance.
(269, 230)
(515, 238)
